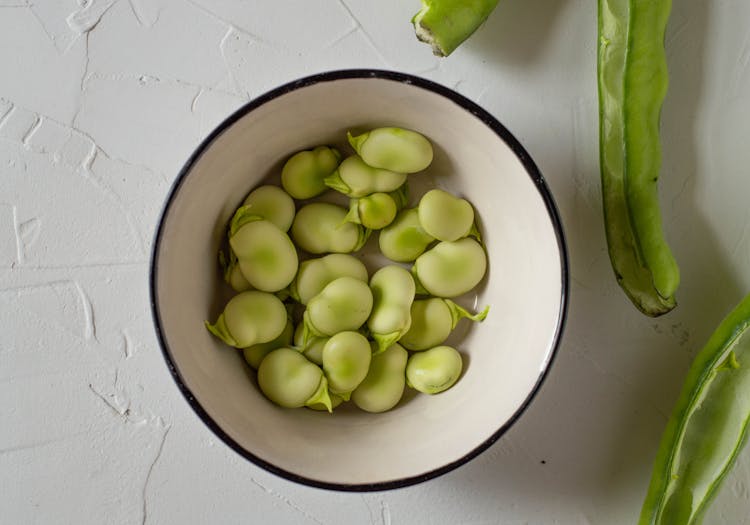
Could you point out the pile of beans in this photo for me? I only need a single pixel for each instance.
(358, 337)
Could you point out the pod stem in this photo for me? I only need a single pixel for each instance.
(458, 313)
(308, 330)
(220, 330)
(335, 182)
(364, 236)
(242, 216)
(321, 396)
(353, 215)
(384, 341)
(401, 196)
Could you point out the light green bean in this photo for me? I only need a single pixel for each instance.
(444, 216)
(320, 227)
(383, 386)
(355, 178)
(289, 380)
(434, 370)
(256, 353)
(375, 211)
(273, 204)
(265, 255)
(394, 149)
(393, 292)
(314, 274)
(346, 360)
(451, 268)
(344, 304)
(250, 318)
(303, 174)
(313, 348)
(432, 321)
(404, 239)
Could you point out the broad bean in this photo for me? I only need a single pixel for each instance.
(432, 321)
(346, 360)
(344, 304)
(273, 204)
(355, 178)
(383, 386)
(321, 227)
(434, 370)
(313, 348)
(314, 274)
(451, 268)
(444, 216)
(393, 292)
(394, 149)
(375, 211)
(232, 273)
(256, 353)
(291, 381)
(250, 318)
(404, 239)
(265, 255)
(303, 174)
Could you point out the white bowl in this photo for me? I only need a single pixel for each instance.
(507, 356)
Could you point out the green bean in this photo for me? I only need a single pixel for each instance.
(445, 24)
(314, 274)
(393, 292)
(232, 273)
(383, 386)
(321, 227)
(346, 360)
(303, 174)
(432, 321)
(707, 429)
(344, 304)
(404, 239)
(375, 211)
(256, 353)
(445, 217)
(273, 204)
(289, 380)
(311, 349)
(354, 178)
(394, 149)
(434, 370)
(632, 79)
(265, 255)
(451, 268)
(250, 318)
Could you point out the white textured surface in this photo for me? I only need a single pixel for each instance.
(101, 102)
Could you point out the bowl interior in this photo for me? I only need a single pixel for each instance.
(505, 356)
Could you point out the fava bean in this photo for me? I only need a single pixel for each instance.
(451, 268)
(355, 178)
(432, 321)
(273, 204)
(346, 360)
(250, 318)
(232, 273)
(255, 354)
(291, 381)
(313, 348)
(375, 211)
(344, 304)
(383, 386)
(394, 149)
(303, 174)
(314, 274)
(321, 227)
(434, 370)
(404, 239)
(444, 216)
(265, 255)
(393, 292)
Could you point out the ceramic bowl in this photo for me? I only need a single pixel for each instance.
(506, 357)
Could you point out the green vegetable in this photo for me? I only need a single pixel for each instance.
(315, 274)
(256, 353)
(434, 370)
(432, 321)
(633, 80)
(320, 227)
(451, 268)
(289, 380)
(346, 360)
(312, 349)
(303, 174)
(404, 239)
(707, 428)
(384, 385)
(250, 318)
(354, 178)
(393, 292)
(445, 24)
(394, 149)
(444, 216)
(273, 204)
(375, 211)
(344, 304)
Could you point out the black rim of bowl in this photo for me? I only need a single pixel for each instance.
(490, 122)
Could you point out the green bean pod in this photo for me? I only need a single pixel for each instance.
(404, 239)
(707, 429)
(250, 318)
(445, 24)
(632, 80)
(394, 149)
(432, 321)
(355, 178)
(255, 354)
(393, 293)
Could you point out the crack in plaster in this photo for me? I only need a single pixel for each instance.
(150, 471)
(368, 38)
(287, 501)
